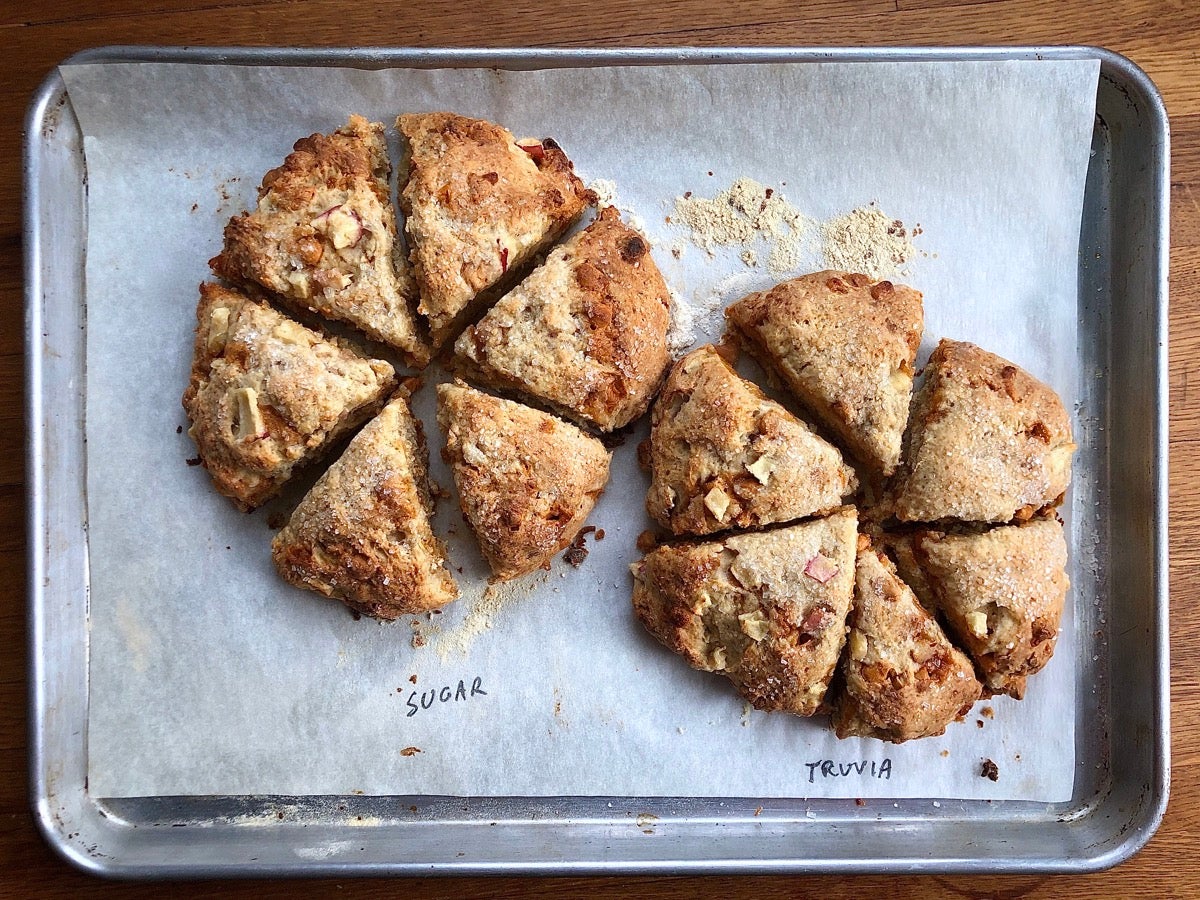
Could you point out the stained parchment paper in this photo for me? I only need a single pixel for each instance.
(211, 676)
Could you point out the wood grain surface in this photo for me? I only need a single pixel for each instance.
(1162, 37)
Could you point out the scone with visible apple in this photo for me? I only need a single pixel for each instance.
(903, 679)
(323, 238)
(585, 334)
(988, 442)
(479, 205)
(362, 534)
(268, 395)
(722, 455)
(765, 609)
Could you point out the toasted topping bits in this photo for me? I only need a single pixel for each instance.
(761, 469)
(218, 328)
(990, 770)
(300, 282)
(647, 541)
(536, 151)
(820, 568)
(717, 502)
(633, 249)
(249, 419)
(754, 624)
(978, 623)
(291, 332)
(858, 646)
(814, 620)
(343, 227)
(718, 658)
(311, 250)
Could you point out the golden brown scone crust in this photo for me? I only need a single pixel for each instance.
(845, 346)
(585, 333)
(267, 394)
(988, 441)
(362, 534)
(722, 455)
(903, 678)
(766, 609)
(1001, 593)
(477, 208)
(323, 237)
(526, 480)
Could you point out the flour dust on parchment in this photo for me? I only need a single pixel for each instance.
(454, 641)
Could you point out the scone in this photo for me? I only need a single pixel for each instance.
(988, 441)
(1000, 592)
(526, 480)
(722, 455)
(845, 346)
(585, 334)
(478, 205)
(267, 394)
(362, 534)
(902, 678)
(323, 238)
(767, 609)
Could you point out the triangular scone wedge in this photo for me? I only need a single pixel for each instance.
(526, 480)
(988, 441)
(1000, 592)
(845, 346)
(478, 205)
(766, 609)
(267, 395)
(722, 455)
(323, 238)
(362, 534)
(903, 678)
(585, 334)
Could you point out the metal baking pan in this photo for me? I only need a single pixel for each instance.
(1122, 730)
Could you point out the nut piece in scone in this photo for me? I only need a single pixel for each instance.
(267, 395)
(526, 480)
(362, 534)
(722, 455)
(903, 678)
(766, 609)
(479, 204)
(1000, 592)
(323, 238)
(585, 333)
(845, 346)
(988, 442)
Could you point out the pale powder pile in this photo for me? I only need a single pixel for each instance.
(865, 240)
(457, 640)
(747, 212)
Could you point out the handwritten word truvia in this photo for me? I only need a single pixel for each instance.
(828, 768)
(448, 694)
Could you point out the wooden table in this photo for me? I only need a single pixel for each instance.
(1163, 37)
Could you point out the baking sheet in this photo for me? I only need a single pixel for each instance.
(210, 676)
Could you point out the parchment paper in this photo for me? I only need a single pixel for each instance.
(211, 676)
